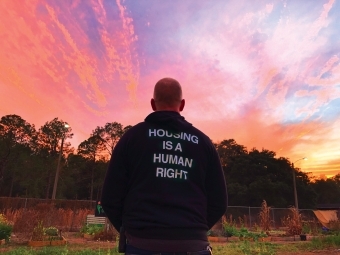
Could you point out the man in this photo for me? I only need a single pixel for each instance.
(165, 183)
(99, 212)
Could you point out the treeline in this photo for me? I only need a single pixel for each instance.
(29, 158)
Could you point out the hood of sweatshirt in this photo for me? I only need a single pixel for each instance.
(168, 119)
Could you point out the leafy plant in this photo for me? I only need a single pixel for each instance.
(243, 232)
(92, 229)
(51, 231)
(228, 229)
(306, 228)
(38, 232)
(5, 228)
(5, 231)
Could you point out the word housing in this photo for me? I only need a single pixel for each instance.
(181, 135)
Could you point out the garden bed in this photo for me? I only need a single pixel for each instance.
(61, 241)
(75, 241)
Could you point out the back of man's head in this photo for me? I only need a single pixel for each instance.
(167, 96)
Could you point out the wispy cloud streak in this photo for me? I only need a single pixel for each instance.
(266, 74)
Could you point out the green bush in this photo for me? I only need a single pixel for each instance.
(92, 229)
(51, 231)
(5, 231)
(229, 230)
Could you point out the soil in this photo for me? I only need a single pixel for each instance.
(77, 242)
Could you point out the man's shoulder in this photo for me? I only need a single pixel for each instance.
(136, 129)
(200, 133)
(139, 125)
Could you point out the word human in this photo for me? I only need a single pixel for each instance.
(171, 159)
(171, 173)
(165, 133)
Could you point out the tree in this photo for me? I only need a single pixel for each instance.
(73, 184)
(98, 148)
(228, 150)
(49, 143)
(306, 194)
(256, 175)
(109, 135)
(16, 136)
(328, 190)
(336, 179)
(90, 149)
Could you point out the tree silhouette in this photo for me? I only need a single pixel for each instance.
(15, 135)
(28, 161)
(48, 144)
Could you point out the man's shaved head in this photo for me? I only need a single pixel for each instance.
(167, 94)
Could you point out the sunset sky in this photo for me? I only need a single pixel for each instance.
(264, 73)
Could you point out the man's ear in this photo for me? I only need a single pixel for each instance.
(181, 107)
(153, 105)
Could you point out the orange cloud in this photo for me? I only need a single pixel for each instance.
(262, 74)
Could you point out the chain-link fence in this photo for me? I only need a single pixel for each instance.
(26, 213)
(250, 216)
(238, 215)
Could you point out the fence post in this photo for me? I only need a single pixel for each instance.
(249, 218)
(273, 217)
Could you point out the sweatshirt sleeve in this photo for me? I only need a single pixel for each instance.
(115, 185)
(217, 199)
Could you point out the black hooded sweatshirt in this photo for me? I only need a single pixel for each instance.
(164, 180)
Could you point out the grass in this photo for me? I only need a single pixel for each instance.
(237, 248)
(323, 243)
(245, 248)
(218, 249)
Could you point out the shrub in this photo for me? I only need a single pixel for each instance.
(5, 231)
(243, 232)
(306, 228)
(51, 231)
(38, 232)
(5, 228)
(293, 223)
(228, 229)
(92, 229)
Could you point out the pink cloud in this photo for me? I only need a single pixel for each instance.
(258, 73)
